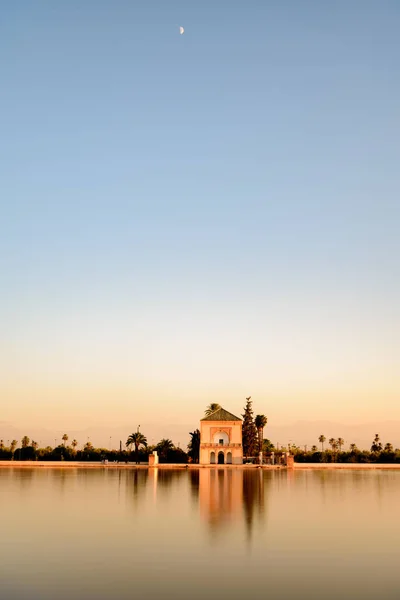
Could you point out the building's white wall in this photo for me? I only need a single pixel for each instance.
(211, 432)
(221, 435)
(206, 434)
(236, 437)
(204, 456)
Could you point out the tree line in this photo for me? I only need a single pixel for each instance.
(135, 448)
(378, 453)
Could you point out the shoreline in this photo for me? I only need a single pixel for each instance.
(348, 466)
(98, 465)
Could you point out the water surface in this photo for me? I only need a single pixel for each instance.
(207, 533)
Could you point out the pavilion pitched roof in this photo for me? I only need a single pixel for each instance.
(221, 415)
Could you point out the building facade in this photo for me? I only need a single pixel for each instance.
(221, 439)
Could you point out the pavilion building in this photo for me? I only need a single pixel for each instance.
(221, 439)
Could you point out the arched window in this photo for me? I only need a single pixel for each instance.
(221, 458)
(212, 458)
(229, 458)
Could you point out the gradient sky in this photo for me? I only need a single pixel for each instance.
(197, 218)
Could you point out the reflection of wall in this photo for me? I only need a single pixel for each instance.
(232, 495)
(221, 496)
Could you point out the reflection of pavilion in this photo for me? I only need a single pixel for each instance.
(221, 495)
(228, 495)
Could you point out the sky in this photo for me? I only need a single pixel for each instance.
(196, 218)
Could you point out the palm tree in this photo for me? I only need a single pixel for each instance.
(74, 444)
(34, 445)
(314, 449)
(353, 447)
(194, 445)
(334, 445)
(388, 447)
(376, 444)
(340, 443)
(321, 440)
(211, 408)
(65, 438)
(136, 439)
(163, 447)
(260, 422)
(25, 441)
(13, 446)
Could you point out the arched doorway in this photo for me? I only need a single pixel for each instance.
(221, 458)
(229, 458)
(212, 458)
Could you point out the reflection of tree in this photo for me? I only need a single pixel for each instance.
(253, 497)
(159, 482)
(194, 479)
(25, 477)
(136, 483)
(168, 477)
(62, 477)
(340, 485)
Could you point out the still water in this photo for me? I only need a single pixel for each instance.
(207, 533)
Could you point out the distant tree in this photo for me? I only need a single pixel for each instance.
(340, 443)
(34, 445)
(177, 455)
(249, 430)
(314, 449)
(332, 442)
(74, 444)
(25, 442)
(65, 438)
(194, 445)
(164, 447)
(334, 446)
(268, 446)
(211, 408)
(321, 440)
(376, 444)
(388, 447)
(136, 439)
(260, 422)
(353, 447)
(13, 446)
(88, 447)
(1, 445)
(27, 453)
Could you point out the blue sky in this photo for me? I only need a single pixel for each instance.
(201, 217)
